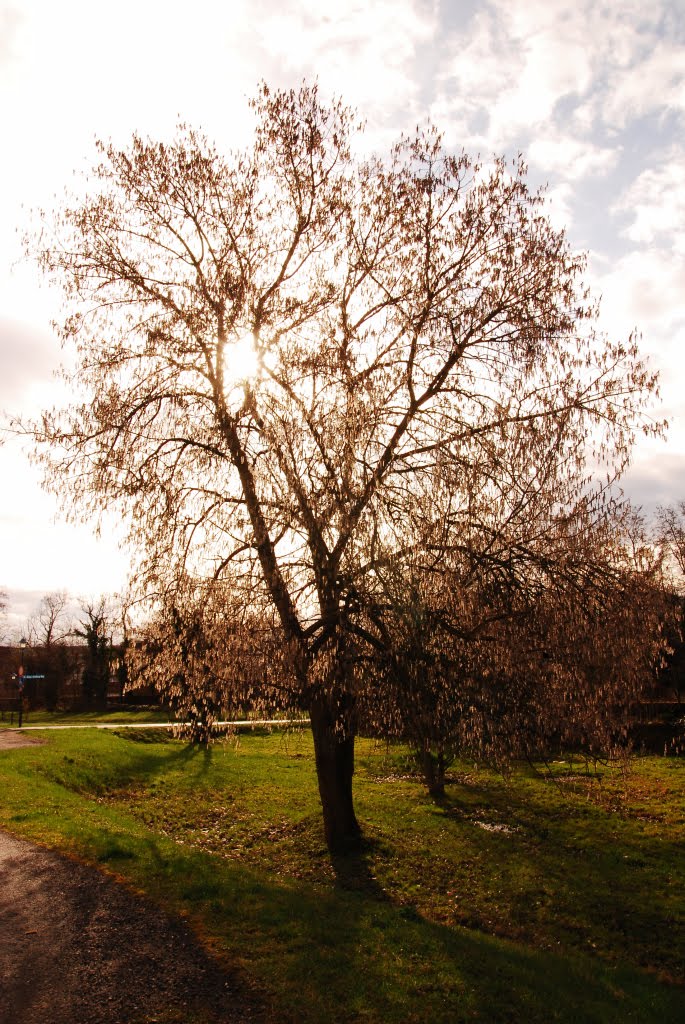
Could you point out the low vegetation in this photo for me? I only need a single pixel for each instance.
(548, 895)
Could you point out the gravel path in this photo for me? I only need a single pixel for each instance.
(77, 948)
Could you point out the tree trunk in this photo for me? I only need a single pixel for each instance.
(433, 767)
(334, 749)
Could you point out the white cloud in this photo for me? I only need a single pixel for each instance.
(557, 63)
(474, 78)
(656, 477)
(39, 548)
(559, 205)
(643, 291)
(571, 158)
(644, 288)
(655, 82)
(521, 59)
(10, 20)
(655, 203)
(29, 358)
(136, 66)
(365, 53)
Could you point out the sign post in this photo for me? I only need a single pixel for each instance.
(20, 679)
(20, 684)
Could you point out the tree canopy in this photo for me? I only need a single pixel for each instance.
(428, 403)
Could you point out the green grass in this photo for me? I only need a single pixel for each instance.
(525, 899)
(123, 715)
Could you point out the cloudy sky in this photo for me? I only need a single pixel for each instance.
(592, 92)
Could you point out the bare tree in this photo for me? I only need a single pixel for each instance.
(670, 538)
(670, 535)
(95, 629)
(50, 624)
(3, 613)
(426, 373)
(49, 629)
(120, 616)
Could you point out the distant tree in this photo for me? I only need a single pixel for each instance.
(670, 537)
(121, 639)
(95, 630)
(426, 375)
(49, 629)
(4, 601)
(670, 534)
(50, 623)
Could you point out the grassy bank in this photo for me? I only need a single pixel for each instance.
(527, 899)
(123, 715)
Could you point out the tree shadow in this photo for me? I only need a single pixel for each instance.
(144, 761)
(329, 940)
(354, 871)
(199, 755)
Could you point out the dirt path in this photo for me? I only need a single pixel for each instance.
(10, 740)
(77, 948)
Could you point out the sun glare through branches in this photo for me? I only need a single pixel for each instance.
(241, 361)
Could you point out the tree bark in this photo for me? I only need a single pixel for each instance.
(433, 767)
(334, 749)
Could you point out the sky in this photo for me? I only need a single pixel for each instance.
(591, 92)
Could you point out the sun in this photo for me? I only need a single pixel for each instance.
(241, 360)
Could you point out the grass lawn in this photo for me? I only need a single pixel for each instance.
(523, 899)
(123, 715)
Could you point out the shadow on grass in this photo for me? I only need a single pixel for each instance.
(572, 872)
(135, 758)
(354, 871)
(345, 955)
